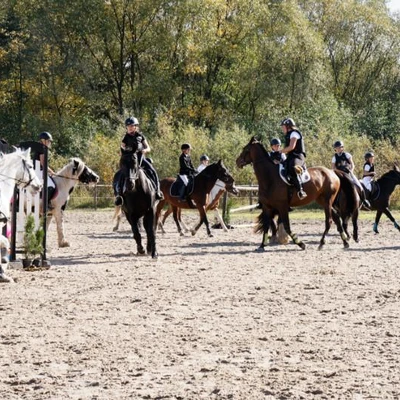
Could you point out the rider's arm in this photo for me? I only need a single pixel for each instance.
(291, 147)
(351, 163)
(146, 148)
(333, 162)
(41, 159)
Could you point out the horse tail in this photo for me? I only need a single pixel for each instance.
(260, 223)
(347, 194)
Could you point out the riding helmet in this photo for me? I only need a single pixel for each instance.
(45, 136)
(131, 121)
(275, 141)
(186, 146)
(204, 157)
(288, 122)
(338, 143)
(368, 155)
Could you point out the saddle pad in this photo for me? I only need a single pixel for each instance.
(305, 176)
(176, 187)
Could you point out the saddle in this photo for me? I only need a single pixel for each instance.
(375, 190)
(177, 185)
(283, 172)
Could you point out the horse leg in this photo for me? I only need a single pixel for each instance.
(148, 222)
(117, 217)
(178, 225)
(286, 224)
(274, 230)
(183, 225)
(387, 212)
(59, 218)
(336, 218)
(136, 235)
(158, 223)
(266, 223)
(220, 220)
(354, 219)
(377, 219)
(4, 246)
(203, 218)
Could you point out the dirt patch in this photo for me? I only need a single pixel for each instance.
(210, 319)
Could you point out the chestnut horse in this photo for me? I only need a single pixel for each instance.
(213, 202)
(276, 196)
(203, 183)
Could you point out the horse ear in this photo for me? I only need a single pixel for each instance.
(219, 162)
(27, 153)
(75, 169)
(396, 166)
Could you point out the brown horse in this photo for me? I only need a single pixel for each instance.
(203, 183)
(213, 202)
(276, 196)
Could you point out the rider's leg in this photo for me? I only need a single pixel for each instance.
(154, 177)
(118, 185)
(296, 174)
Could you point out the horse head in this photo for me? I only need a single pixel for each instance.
(246, 157)
(26, 176)
(224, 175)
(85, 174)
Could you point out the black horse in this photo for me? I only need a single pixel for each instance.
(139, 200)
(380, 196)
(347, 203)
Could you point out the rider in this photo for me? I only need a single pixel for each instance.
(368, 171)
(343, 161)
(186, 169)
(204, 161)
(134, 142)
(276, 155)
(296, 154)
(46, 139)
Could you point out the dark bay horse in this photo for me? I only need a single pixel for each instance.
(347, 203)
(203, 183)
(380, 198)
(276, 196)
(139, 200)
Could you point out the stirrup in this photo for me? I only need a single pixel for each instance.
(301, 194)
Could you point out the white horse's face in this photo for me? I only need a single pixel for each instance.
(26, 176)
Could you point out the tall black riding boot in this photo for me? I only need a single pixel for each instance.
(182, 193)
(299, 187)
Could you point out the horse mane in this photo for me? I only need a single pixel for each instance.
(67, 170)
(254, 140)
(17, 153)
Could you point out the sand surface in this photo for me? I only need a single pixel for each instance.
(211, 319)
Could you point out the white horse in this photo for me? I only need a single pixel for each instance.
(66, 179)
(15, 169)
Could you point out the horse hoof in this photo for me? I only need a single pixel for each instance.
(6, 279)
(210, 235)
(154, 256)
(193, 233)
(346, 245)
(181, 234)
(115, 229)
(260, 250)
(64, 244)
(302, 245)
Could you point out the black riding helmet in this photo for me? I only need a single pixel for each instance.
(275, 141)
(186, 146)
(288, 122)
(131, 121)
(204, 157)
(368, 155)
(338, 143)
(45, 136)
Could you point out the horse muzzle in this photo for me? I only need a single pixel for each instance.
(240, 162)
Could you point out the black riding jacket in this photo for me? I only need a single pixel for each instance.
(300, 147)
(341, 161)
(186, 166)
(371, 168)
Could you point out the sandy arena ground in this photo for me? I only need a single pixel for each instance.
(211, 319)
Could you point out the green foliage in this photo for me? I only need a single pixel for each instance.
(33, 238)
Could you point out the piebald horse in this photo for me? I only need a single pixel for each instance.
(276, 196)
(15, 169)
(76, 171)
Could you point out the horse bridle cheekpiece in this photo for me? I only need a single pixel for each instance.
(30, 171)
